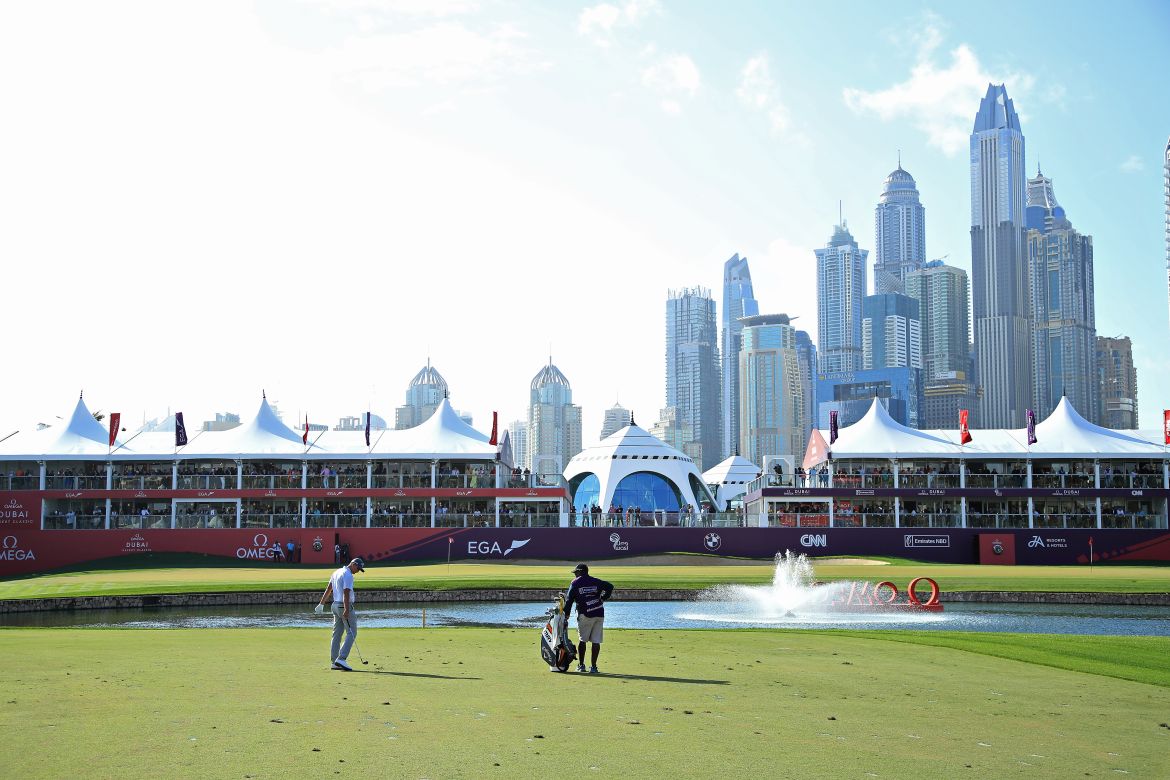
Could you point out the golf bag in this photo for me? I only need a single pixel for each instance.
(555, 648)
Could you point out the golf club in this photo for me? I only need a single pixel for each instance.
(359, 653)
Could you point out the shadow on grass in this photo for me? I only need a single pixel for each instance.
(414, 674)
(650, 678)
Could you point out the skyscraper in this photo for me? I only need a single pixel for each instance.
(841, 287)
(806, 358)
(692, 371)
(891, 332)
(423, 396)
(1117, 383)
(1061, 263)
(772, 406)
(616, 418)
(738, 301)
(899, 233)
(554, 425)
(1166, 184)
(999, 283)
(948, 387)
(518, 436)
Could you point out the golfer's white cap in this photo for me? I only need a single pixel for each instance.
(360, 564)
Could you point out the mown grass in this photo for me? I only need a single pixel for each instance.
(149, 575)
(478, 703)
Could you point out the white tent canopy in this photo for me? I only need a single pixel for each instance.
(442, 436)
(731, 478)
(80, 437)
(1064, 434)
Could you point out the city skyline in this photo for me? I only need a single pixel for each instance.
(320, 206)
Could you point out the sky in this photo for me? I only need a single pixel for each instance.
(203, 201)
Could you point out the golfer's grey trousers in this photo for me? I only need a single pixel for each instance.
(337, 649)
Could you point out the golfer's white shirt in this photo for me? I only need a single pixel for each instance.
(342, 579)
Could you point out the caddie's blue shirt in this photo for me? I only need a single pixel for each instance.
(588, 593)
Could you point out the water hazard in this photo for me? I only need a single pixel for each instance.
(791, 601)
(1017, 618)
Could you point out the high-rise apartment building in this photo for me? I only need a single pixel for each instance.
(616, 418)
(738, 301)
(899, 233)
(999, 280)
(692, 371)
(518, 438)
(1061, 264)
(891, 331)
(806, 358)
(1117, 383)
(554, 425)
(841, 288)
(948, 387)
(772, 409)
(670, 428)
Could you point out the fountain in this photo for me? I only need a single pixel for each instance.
(795, 598)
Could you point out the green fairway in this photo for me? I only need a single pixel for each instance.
(475, 703)
(143, 575)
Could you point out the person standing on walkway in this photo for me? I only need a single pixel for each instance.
(588, 593)
(340, 590)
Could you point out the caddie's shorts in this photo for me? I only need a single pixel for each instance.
(589, 628)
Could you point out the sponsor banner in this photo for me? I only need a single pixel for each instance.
(27, 550)
(502, 493)
(933, 541)
(997, 549)
(849, 492)
(20, 509)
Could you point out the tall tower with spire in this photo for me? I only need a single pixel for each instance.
(999, 280)
(841, 288)
(738, 301)
(899, 233)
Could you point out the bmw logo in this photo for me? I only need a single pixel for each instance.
(712, 541)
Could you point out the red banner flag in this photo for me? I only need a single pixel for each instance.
(305, 437)
(1166, 425)
(495, 420)
(115, 421)
(964, 434)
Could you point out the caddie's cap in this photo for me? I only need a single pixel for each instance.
(360, 564)
(581, 569)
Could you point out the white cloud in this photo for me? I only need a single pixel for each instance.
(672, 76)
(600, 22)
(757, 90)
(403, 7)
(442, 54)
(755, 83)
(1132, 164)
(941, 99)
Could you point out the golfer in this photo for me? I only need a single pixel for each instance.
(588, 593)
(340, 590)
